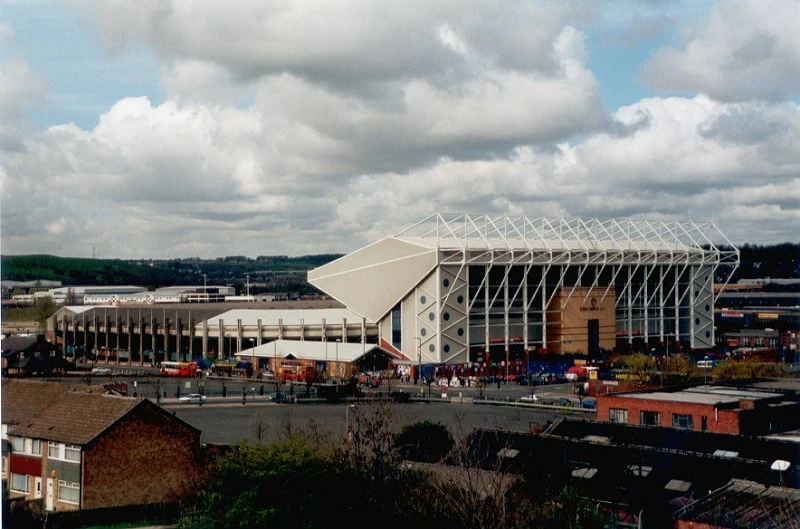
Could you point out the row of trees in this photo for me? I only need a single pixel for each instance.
(680, 369)
(309, 479)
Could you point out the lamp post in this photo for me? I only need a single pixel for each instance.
(205, 292)
(247, 285)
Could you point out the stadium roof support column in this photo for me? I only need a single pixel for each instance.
(260, 329)
(141, 339)
(178, 338)
(661, 275)
(192, 336)
(221, 339)
(205, 338)
(238, 336)
(364, 333)
(506, 318)
(129, 330)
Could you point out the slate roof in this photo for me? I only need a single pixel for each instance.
(13, 344)
(61, 412)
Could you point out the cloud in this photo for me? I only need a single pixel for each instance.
(19, 88)
(745, 49)
(294, 128)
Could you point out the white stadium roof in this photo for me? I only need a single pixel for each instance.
(460, 231)
(290, 317)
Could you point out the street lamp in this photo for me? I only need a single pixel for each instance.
(205, 291)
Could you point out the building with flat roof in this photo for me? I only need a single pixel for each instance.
(490, 291)
(711, 408)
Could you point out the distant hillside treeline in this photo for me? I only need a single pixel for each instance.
(282, 273)
(781, 261)
(266, 273)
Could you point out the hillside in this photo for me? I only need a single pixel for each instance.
(264, 273)
(282, 273)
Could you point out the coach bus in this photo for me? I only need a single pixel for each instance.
(178, 369)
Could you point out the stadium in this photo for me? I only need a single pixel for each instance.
(483, 291)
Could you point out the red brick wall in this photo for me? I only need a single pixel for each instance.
(147, 457)
(725, 421)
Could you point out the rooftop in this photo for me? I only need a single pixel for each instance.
(705, 394)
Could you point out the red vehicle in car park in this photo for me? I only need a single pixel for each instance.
(581, 373)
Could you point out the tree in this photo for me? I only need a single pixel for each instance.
(732, 370)
(44, 308)
(642, 367)
(677, 369)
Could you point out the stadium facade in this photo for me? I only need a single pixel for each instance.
(486, 290)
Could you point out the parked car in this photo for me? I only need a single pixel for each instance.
(101, 371)
(192, 397)
(589, 403)
(277, 396)
(522, 378)
(563, 401)
(530, 398)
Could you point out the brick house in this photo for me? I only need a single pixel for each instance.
(82, 448)
(711, 408)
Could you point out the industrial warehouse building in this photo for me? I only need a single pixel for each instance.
(481, 290)
(476, 291)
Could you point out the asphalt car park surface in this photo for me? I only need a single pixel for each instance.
(246, 408)
(231, 422)
(235, 417)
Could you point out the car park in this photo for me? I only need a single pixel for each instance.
(192, 397)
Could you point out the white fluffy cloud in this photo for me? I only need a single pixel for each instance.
(746, 49)
(302, 127)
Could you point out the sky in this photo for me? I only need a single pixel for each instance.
(189, 128)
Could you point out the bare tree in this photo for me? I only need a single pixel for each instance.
(258, 426)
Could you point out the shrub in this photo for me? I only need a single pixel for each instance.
(426, 441)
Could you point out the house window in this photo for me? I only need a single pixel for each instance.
(20, 483)
(682, 421)
(72, 453)
(18, 444)
(618, 415)
(649, 418)
(31, 446)
(69, 492)
(54, 450)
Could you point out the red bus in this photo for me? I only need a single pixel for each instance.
(179, 369)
